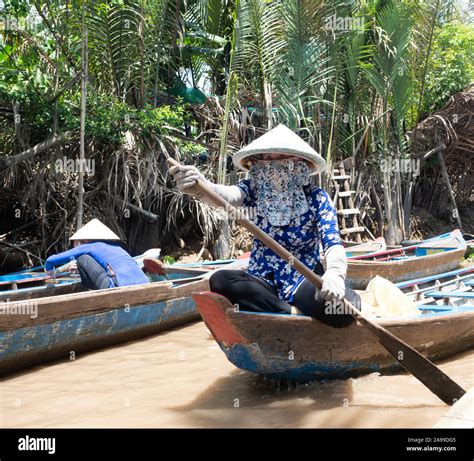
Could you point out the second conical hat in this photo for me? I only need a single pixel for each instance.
(280, 140)
(95, 230)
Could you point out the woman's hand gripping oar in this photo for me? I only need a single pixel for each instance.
(410, 359)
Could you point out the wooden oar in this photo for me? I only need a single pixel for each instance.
(410, 359)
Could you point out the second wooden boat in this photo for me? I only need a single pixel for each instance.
(427, 258)
(38, 330)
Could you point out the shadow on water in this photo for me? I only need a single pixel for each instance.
(276, 403)
(242, 399)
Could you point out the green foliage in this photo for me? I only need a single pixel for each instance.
(387, 70)
(305, 67)
(451, 66)
(24, 82)
(115, 44)
(281, 51)
(108, 118)
(190, 149)
(169, 260)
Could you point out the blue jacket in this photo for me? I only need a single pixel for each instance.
(126, 269)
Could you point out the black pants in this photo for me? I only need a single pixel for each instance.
(93, 275)
(251, 293)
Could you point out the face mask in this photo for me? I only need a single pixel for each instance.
(278, 185)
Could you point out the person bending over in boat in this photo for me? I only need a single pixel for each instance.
(298, 215)
(101, 262)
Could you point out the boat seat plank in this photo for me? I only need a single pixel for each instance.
(422, 280)
(436, 308)
(451, 294)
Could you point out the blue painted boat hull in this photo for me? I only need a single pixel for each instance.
(251, 358)
(68, 338)
(299, 348)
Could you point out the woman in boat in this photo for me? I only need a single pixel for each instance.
(298, 215)
(101, 262)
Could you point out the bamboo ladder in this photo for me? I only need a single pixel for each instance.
(343, 201)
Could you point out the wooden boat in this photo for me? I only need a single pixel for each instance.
(37, 330)
(296, 347)
(39, 283)
(429, 257)
(66, 283)
(71, 285)
(354, 249)
(373, 246)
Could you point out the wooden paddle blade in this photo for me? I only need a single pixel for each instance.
(417, 364)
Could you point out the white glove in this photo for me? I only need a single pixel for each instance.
(186, 177)
(334, 278)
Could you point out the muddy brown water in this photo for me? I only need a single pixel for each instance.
(181, 378)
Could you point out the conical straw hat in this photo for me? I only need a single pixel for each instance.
(280, 140)
(95, 230)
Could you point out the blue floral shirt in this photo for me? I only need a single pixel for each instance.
(301, 237)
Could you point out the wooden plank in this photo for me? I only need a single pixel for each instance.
(41, 291)
(435, 286)
(364, 248)
(348, 211)
(461, 414)
(351, 230)
(5, 281)
(341, 177)
(55, 308)
(450, 294)
(347, 193)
